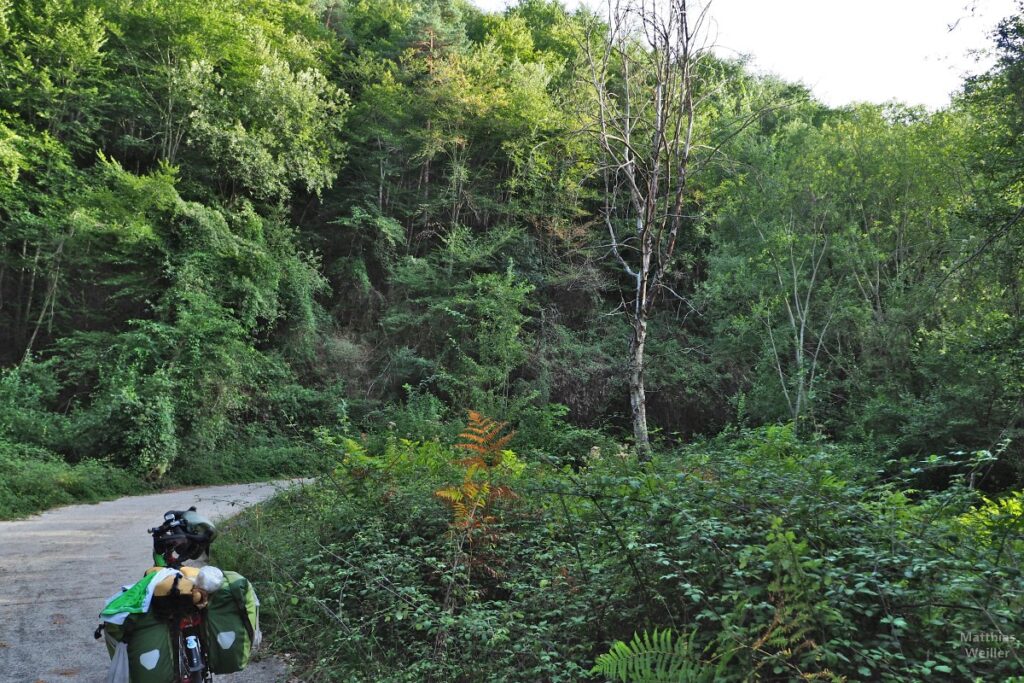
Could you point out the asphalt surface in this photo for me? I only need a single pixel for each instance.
(58, 568)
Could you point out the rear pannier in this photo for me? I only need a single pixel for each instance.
(138, 640)
(232, 625)
(146, 640)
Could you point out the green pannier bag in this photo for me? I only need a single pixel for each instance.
(150, 654)
(138, 640)
(231, 625)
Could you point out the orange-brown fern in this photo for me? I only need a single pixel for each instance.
(472, 501)
(483, 437)
(474, 528)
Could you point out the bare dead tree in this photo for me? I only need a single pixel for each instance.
(644, 74)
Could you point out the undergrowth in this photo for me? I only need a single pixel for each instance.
(32, 479)
(51, 457)
(763, 557)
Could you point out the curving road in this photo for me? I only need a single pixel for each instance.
(58, 568)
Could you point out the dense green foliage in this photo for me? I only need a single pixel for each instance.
(771, 558)
(247, 221)
(254, 238)
(149, 150)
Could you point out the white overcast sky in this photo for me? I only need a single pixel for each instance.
(856, 50)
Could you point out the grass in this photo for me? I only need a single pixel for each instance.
(33, 479)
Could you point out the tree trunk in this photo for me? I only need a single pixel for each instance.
(637, 395)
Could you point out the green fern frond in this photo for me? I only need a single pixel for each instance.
(657, 657)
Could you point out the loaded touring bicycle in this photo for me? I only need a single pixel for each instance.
(180, 624)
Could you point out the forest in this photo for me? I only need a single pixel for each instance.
(613, 359)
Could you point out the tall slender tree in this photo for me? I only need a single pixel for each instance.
(644, 74)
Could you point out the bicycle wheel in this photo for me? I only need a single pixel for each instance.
(184, 676)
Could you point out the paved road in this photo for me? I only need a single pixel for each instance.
(57, 568)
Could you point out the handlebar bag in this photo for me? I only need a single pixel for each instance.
(232, 625)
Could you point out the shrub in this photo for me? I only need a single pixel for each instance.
(33, 479)
(27, 392)
(251, 456)
(773, 558)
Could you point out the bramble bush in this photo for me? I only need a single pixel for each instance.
(768, 557)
